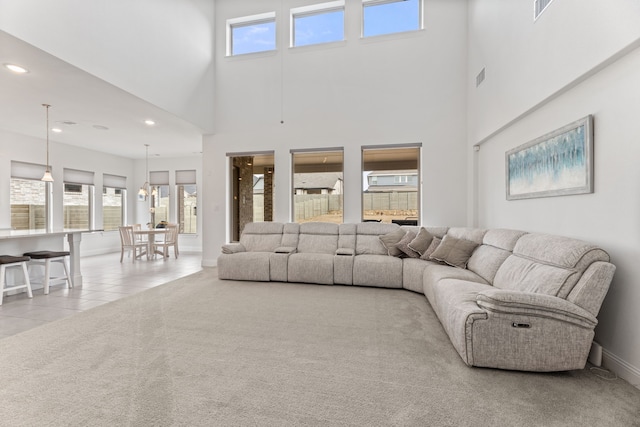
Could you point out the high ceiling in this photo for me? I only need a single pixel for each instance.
(92, 104)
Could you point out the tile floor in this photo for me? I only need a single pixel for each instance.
(104, 278)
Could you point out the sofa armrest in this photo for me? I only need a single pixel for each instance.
(285, 250)
(345, 251)
(233, 248)
(532, 304)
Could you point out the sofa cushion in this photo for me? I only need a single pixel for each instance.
(467, 233)
(311, 268)
(486, 260)
(560, 251)
(377, 270)
(262, 236)
(526, 275)
(318, 237)
(453, 251)
(435, 242)
(433, 273)
(367, 241)
(422, 241)
(389, 241)
(403, 245)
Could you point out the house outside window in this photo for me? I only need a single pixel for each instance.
(391, 194)
(318, 185)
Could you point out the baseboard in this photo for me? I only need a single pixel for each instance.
(213, 262)
(623, 369)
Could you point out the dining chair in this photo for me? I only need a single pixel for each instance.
(139, 237)
(130, 243)
(170, 239)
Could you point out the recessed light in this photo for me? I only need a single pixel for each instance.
(16, 68)
(56, 130)
(149, 122)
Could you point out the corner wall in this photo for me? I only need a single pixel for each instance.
(580, 76)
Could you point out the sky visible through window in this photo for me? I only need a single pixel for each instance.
(319, 28)
(324, 27)
(387, 18)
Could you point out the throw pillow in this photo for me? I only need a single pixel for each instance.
(435, 242)
(422, 241)
(455, 252)
(389, 241)
(403, 245)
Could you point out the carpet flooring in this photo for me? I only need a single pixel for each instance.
(204, 352)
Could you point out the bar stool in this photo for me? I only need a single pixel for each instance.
(8, 261)
(45, 258)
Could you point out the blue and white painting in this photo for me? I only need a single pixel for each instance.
(556, 164)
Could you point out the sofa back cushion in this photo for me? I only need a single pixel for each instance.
(347, 236)
(367, 237)
(262, 236)
(496, 247)
(472, 234)
(318, 237)
(562, 252)
(526, 275)
(290, 235)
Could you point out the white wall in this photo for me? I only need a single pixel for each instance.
(396, 89)
(158, 50)
(504, 111)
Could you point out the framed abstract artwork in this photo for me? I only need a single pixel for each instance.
(556, 164)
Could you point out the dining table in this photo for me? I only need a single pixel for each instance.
(151, 234)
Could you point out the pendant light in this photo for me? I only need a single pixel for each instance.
(144, 190)
(47, 173)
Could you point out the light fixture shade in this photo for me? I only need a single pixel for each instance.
(47, 176)
(143, 191)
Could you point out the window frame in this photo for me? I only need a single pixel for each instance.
(90, 203)
(313, 10)
(246, 21)
(123, 205)
(402, 179)
(316, 151)
(373, 3)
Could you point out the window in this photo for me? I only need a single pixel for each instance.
(540, 6)
(318, 185)
(114, 197)
(252, 189)
(390, 190)
(29, 197)
(77, 200)
(250, 34)
(320, 23)
(390, 16)
(159, 182)
(187, 201)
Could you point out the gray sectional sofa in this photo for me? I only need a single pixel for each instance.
(507, 299)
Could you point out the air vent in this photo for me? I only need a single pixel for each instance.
(480, 77)
(540, 6)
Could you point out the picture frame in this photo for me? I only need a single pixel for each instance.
(559, 163)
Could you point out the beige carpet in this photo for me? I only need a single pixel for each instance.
(204, 352)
